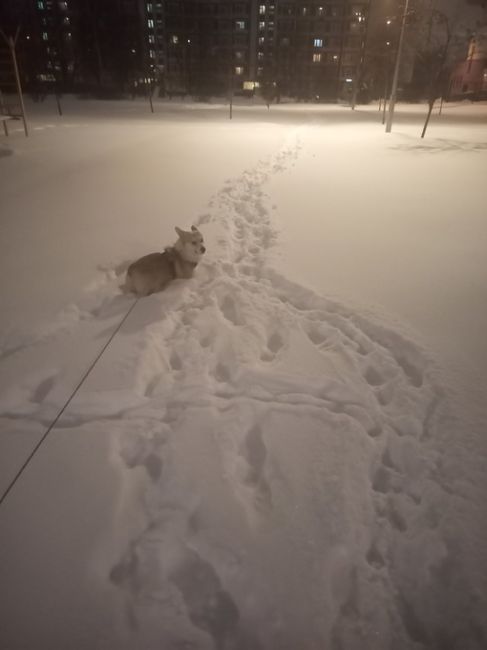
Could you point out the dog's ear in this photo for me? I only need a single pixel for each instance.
(194, 229)
(179, 232)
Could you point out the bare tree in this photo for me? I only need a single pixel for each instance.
(436, 60)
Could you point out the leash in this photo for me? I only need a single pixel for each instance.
(66, 404)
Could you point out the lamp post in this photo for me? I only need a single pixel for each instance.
(392, 101)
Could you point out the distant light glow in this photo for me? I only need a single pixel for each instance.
(348, 80)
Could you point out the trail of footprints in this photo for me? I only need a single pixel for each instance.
(395, 383)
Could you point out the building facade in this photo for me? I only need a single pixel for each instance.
(307, 49)
(469, 78)
(45, 40)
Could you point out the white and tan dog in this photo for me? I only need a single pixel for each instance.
(153, 272)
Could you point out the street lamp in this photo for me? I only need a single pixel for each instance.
(392, 101)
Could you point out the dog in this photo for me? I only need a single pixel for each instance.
(153, 272)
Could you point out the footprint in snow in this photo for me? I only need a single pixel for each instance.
(229, 310)
(274, 345)
(209, 606)
(175, 361)
(373, 377)
(144, 451)
(222, 373)
(255, 453)
(374, 557)
(43, 389)
(412, 372)
(317, 336)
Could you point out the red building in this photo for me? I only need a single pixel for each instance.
(469, 78)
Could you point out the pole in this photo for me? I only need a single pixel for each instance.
(150, 95)
(58, 103)
(11, 44)
(385, 97)
(230, 107)
(392, 101)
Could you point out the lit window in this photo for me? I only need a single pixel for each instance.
(304, 11)
(69, 36)
(44, 36)
(240, 24)
(152, 38)
(152, 54)
(260, 55)
(149, 7)
(262, 25)
(262, 9)
(239, 70)
(260, 72)
(318, 42)
(40, 5)
(319, 11)
(174, 39)
(316, 58)
(335, 57)
(66, 20)
(150, 23)
(261, 40)
(239, 56)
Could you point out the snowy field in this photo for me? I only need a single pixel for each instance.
(287, 452)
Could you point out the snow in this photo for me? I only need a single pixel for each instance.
(286, 451)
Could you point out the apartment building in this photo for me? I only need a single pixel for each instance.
(45, 40)
(308, 49)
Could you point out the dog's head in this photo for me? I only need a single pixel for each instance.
(190, 244)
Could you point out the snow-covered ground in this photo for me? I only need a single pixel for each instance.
(287, 451)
